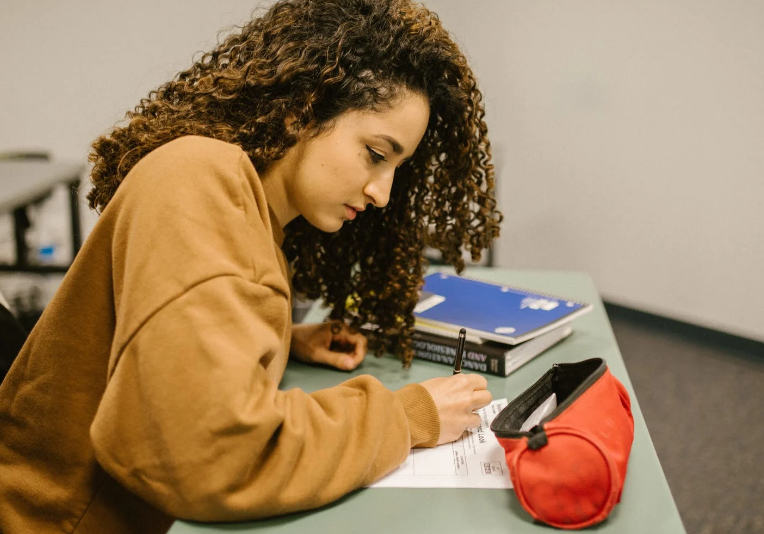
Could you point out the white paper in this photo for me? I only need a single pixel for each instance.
(476, 460)
(544, 409)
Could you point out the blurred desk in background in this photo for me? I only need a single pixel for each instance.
(25, 182)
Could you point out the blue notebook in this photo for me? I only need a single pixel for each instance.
(490, 311)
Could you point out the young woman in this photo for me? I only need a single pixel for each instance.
(333, 140)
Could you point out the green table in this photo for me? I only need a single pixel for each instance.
(647, 506)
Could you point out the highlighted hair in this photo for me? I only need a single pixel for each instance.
(311, 61)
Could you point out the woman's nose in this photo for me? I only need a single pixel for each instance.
(378, 189)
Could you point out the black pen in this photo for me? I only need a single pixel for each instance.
(459, 351)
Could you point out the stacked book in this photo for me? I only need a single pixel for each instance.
(506, 326)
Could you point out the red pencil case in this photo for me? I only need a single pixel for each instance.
(568, 470)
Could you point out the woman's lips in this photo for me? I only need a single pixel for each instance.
(351, 213)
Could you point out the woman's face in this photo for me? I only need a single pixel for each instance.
(329, 178)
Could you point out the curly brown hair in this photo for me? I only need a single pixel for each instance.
(309, 61)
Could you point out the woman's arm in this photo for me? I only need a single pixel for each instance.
(192, 422)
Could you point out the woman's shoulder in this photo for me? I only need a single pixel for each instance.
(195, 149)
(190, 172)
(189, 162)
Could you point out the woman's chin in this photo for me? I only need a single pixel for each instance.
(328, 224)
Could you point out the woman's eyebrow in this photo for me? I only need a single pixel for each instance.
(397, 148)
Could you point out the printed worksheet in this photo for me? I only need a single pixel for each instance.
(476, 460)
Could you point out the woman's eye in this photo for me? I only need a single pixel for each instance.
(375, 156)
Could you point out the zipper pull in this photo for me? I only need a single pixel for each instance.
(537, 438)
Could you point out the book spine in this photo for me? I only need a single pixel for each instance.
(473, 360)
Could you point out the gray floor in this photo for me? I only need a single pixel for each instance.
(704, 407)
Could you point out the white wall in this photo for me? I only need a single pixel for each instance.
(72, 69)
(630, 144)
(628, 135)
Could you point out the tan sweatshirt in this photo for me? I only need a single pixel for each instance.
(149, 388)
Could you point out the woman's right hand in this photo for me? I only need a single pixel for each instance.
(457, 397)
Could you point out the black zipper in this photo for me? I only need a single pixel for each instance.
(531, 391)
(582, 387)
(575, 394)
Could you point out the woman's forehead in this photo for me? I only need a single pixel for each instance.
(403, 121)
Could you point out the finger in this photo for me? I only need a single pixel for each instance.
(361, 348)
(349, 337)
(477, 382)
(474, 421)
(359, 353)
(480, 398)
(356, 341)
(338, 359)
(354, 357)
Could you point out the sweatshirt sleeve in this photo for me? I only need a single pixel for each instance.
(191, 422)
(192, 419)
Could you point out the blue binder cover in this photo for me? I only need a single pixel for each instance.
(491, 311)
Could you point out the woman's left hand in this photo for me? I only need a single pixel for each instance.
(315, 343)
